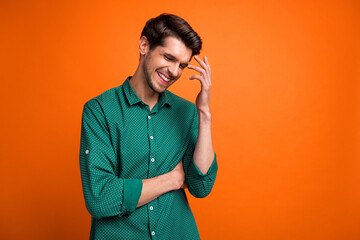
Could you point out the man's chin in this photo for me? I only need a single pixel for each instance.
(158, 89)
(162, 90)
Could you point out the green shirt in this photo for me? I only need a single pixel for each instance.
(123, 142)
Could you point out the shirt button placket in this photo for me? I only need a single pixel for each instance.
(152, 173)
(152, 147)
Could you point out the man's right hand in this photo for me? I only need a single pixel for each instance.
(178, 175)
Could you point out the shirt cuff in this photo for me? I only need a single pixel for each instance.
(132, 192)
(196, 171)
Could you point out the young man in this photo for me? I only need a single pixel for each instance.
(141, 145)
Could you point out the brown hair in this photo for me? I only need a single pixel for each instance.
(165, 25)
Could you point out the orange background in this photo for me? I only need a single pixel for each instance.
(285, 106)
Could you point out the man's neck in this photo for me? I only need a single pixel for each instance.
(143, 90)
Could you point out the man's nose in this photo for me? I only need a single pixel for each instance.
(174, 70)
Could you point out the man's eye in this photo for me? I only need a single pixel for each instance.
(168, 58)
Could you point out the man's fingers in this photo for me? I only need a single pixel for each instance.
(200, 78)
(198, 69)
(179, 165)
(206, 60)
(204, 70)
(202, 64)
(207, 63)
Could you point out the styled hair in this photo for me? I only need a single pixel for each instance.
(158, 28)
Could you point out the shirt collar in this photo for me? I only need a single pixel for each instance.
(132, 97)
(164, 98)
(130, 93)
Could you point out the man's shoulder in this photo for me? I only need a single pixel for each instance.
(185, 110)
(106, 98)
(180, 102)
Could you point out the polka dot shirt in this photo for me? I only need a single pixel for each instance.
(123, 142)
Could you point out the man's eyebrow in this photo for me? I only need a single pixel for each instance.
(170, 56)
(174, 58)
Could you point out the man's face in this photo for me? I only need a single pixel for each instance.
(164, 64)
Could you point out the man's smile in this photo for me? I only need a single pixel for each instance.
(164, 79)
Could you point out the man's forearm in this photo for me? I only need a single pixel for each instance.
(154, 187)
(157, 186)
(204, 151)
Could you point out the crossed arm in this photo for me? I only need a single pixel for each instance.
(157, 186)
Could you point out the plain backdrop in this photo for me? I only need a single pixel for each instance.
(285, 106)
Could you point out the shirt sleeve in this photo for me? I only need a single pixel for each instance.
(105, 194)
(199, 184)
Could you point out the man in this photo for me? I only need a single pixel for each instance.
(141, 145)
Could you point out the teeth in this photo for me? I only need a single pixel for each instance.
(163, 77)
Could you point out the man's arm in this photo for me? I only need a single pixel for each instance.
(156, 186)
(204, 152)
(200, 163)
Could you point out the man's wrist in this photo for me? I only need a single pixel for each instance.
(204, 116)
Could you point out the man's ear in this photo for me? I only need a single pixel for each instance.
(144, 46)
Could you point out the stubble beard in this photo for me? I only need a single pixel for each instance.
(149, 81)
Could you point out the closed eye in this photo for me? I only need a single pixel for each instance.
(169, 58)
(173, 59)
(183, 66)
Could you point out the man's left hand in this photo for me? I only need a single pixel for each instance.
(203, 98)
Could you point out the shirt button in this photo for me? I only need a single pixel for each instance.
(149, 117)
(153, 233)
(86, 151)
(151, 137)
(151, 207)
(152, 160)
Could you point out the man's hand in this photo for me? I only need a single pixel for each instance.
(178, 175)
(203, 98)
